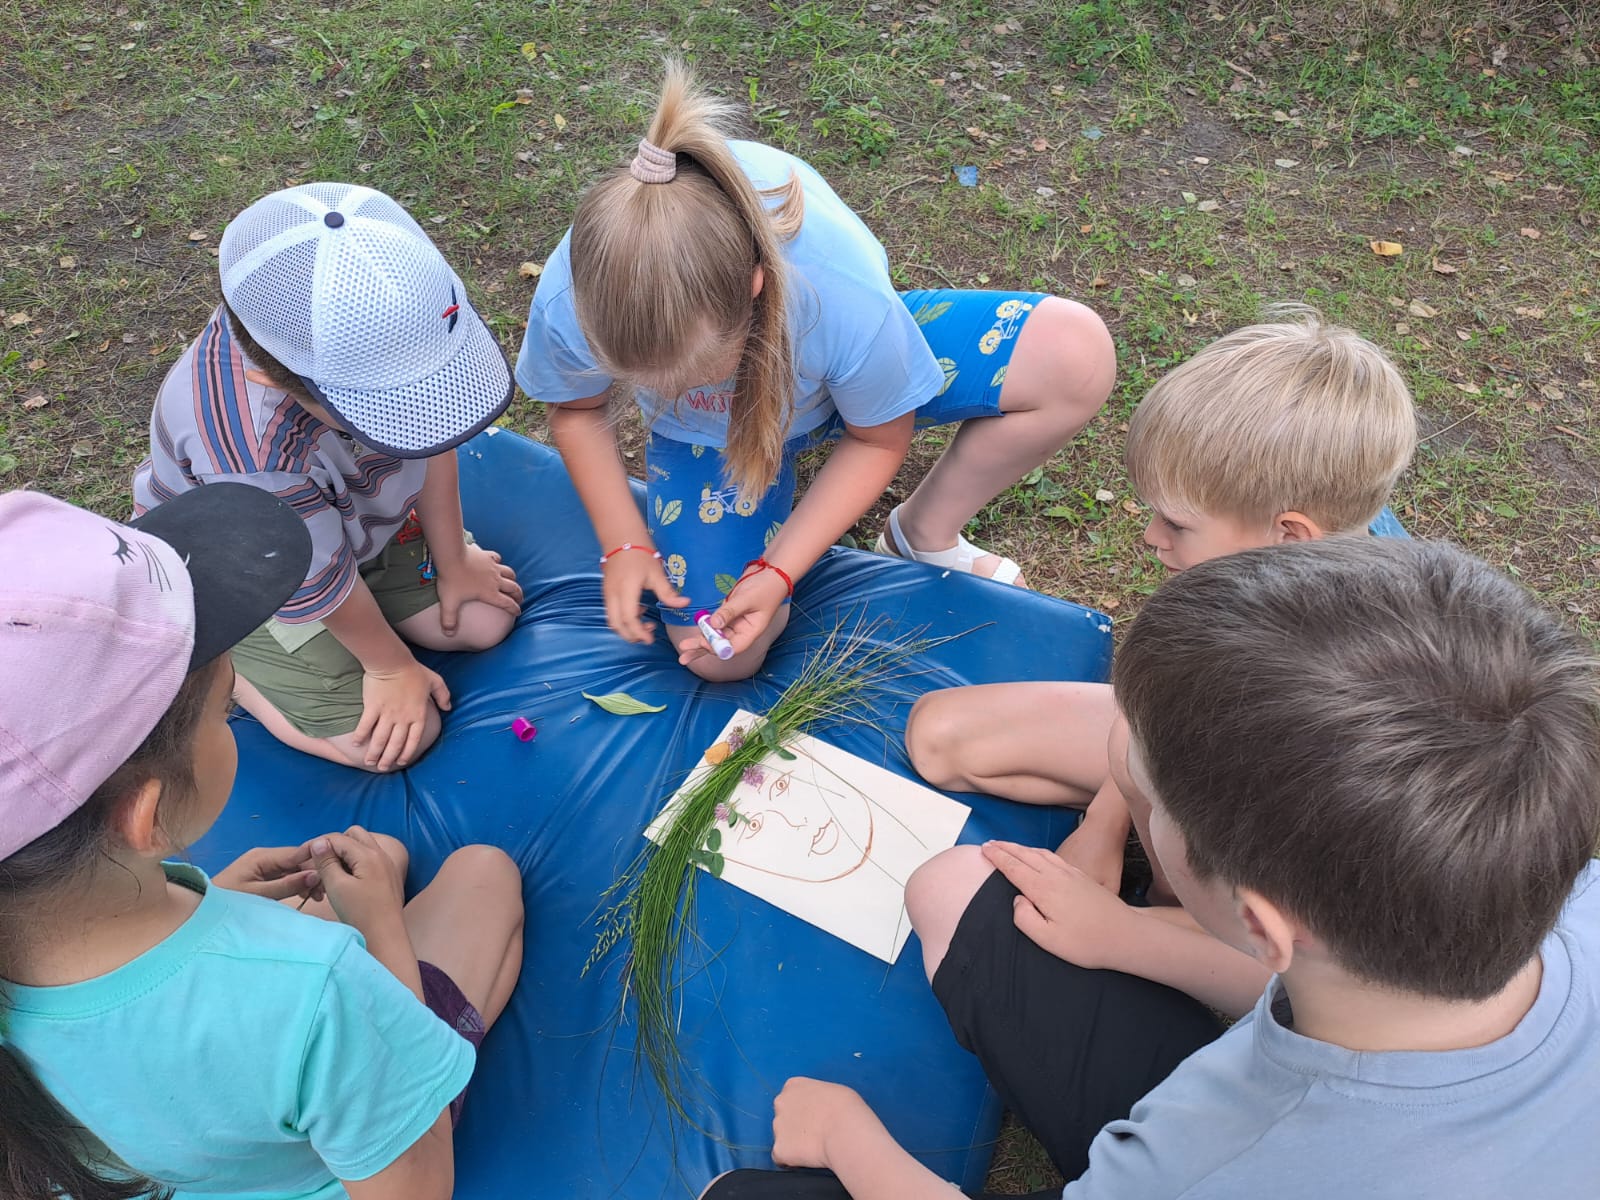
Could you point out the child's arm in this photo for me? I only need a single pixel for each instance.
(1065, 912)
(1099, 843)
(861, 466)
(582, 433)
(816, 1124)
(395, 688)
(427, 1171)
(465, 573)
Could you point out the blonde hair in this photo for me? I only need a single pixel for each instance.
(1295, 415)
(652, 263)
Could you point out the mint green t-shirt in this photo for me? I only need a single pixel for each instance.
(255, 1052)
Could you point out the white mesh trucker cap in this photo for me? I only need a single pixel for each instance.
(341, 286)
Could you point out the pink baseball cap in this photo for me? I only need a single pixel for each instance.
(101, 622)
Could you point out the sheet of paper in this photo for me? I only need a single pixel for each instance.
(828, 837)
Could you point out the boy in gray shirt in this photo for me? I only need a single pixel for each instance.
(1375, 768)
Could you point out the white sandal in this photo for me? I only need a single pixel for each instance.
(960, 557)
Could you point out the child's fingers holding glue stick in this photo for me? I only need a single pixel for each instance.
(720, 646)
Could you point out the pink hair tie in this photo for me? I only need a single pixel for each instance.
(653, 164)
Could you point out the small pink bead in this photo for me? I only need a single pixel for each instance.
(523, 729)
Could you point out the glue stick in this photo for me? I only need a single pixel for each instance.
(720, 646)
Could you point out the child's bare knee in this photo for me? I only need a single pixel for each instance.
(481, 626)
(933, 740)
(958, 871)
(489, 868)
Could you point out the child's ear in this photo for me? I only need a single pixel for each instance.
(757, 282)
(1296, 527)
(137, 822)
(1267, 929)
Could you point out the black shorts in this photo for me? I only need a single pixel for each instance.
(1068, 1049)
(808, 1185)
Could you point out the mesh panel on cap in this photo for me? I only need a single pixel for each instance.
(274, 302)
(379, 207)
(440, 409)
(261, 222)
(383, 324)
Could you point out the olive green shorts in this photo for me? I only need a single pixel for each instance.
(306, 673)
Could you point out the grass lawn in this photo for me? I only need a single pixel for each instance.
(1175, 165)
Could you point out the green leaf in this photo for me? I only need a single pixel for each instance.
(8, 463)
(671, 512)
(714, 839)
(1065, 511)
(769, 738)
(715, 866)
(725, 583)
(624, 705)
(1502, 509)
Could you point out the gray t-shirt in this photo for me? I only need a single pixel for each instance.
(1264, 1111)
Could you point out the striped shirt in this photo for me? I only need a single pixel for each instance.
(212, 422)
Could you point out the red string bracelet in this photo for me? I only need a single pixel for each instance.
(761, 564)
(610, 554)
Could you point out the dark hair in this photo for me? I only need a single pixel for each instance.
(1390, 739)
(44, 1153)
(274, 370)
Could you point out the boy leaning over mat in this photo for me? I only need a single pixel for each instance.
(341, 370)
(1374, 768)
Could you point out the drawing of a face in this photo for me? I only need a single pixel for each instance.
(803, 828)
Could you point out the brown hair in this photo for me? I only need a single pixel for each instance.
(652, 263)
(44, 1153)
(1294, 415)
(1389, 739)
(274, 370)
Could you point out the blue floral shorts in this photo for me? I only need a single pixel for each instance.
(706, 533)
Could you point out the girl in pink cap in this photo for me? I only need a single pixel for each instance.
(167, 1034)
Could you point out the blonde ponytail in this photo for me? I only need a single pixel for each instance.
(663, 255)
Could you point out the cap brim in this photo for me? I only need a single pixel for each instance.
(434, 414)
(246, 552)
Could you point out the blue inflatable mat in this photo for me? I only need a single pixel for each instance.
(556, 1107)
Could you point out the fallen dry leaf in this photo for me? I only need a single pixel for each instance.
(560, 121)
(1440, 268)
(531, 270)
(1085, 228)
(18, 318)
(1105, 496)
(1208, 205)
(1040, 145)
(1203, 161)
(1418, 309)
(36, 401)
(1551, 392)
(1470, 389)
(197, 235)
(103, 346)
(1131, 507)
(976, 134)
(1112, 605)
(68, 262)
(1535, 313)
(1529, 232)
(1402, 328)
(127, 339)
(36, 364)
(1286, 163)
(1387, 249)
(1463, 335)
(1099, 281)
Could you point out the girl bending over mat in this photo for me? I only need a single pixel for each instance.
(166, 1033)
(728, 289)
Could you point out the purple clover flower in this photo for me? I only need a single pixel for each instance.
(754, 776)
(725, 815)
(735, 739)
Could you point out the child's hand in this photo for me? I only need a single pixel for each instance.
(477, 575)
(361, 880)
(744, 615)
(804, 1115)
(394, 712)
(276, 872)
(1061, 909)
(624, 579)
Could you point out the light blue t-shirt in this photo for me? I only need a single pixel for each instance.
(1263, 1111)
(857, 349)
(255, 1052)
